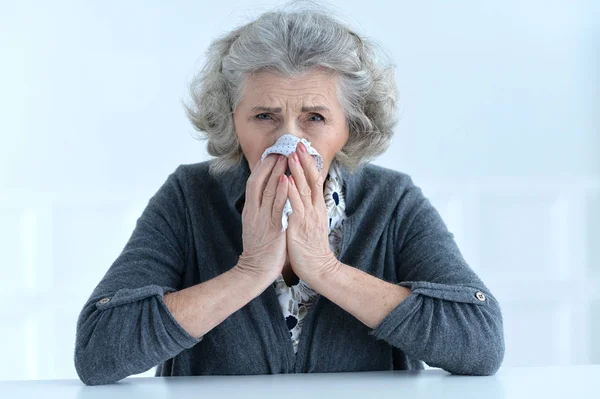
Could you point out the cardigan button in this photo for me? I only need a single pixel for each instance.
(104, 301)
(480, 295)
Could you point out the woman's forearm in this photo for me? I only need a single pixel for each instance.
(366, 297)
(204, 306)
(452, 326)
(134, 329)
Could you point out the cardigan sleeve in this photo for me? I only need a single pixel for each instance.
(125, 326)
(450, 320)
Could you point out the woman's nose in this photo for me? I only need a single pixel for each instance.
(287, 151)
(290, 126)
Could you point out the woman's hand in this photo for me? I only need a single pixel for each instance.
(307, 233)
(264, 244)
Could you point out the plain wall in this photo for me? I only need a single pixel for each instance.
(499, 126)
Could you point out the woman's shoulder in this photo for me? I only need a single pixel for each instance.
(192, 180)
(197, 176)
(199, 183)
(377, 190)
(375, 177)
(198, 170)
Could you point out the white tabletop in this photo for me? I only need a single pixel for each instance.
(525, 382)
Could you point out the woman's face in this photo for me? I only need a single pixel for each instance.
(306, 106)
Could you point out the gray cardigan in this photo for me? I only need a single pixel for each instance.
(190, 232)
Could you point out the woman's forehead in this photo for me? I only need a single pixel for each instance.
(309, 80)
(310, 90)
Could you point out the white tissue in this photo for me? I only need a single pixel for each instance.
(286, 145)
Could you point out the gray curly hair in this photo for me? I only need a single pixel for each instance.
(290, 43)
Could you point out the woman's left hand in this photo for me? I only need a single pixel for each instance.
(307, 233)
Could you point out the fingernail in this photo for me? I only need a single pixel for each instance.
(281, 158)
(295, 156)
(302, 147)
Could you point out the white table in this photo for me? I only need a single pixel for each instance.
(526, 382)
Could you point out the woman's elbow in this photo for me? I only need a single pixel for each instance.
(94, 368)
(95, 355)
(489, 361)
(484, 354)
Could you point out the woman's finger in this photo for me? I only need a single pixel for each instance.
(314, 180)
(279, 202)
(257, 180)
(270, 190)
(295, 200)
(300, 180)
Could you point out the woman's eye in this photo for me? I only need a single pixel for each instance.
(317, 118)
(265, 117)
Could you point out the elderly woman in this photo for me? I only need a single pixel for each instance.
(289, 252)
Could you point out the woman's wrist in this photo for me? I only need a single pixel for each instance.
(254, 276)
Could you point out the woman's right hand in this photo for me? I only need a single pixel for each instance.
(264, 244)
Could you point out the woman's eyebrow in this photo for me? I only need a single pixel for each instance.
(265, 109)
(316, 108)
